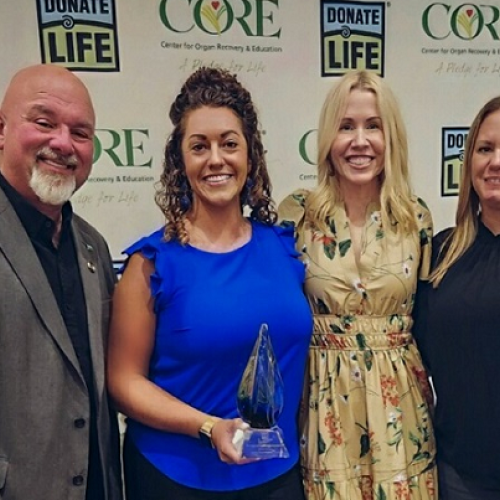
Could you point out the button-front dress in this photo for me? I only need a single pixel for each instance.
(367, 431)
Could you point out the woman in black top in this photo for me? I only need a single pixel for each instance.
(458, 323)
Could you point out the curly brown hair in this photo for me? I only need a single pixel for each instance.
(212, 87)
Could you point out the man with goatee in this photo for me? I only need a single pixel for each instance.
(58, 436)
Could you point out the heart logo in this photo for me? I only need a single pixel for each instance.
(469, 12)
(215, 5)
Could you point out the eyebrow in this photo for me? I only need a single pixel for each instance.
(367, 119)
(223, 135)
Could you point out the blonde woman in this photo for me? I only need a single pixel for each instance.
(365, 239)
(458, 327)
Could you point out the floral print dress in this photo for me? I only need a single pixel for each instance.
(367, 431)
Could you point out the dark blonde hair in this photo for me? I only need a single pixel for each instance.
(463, 234)
(216, 88)
(395, 193)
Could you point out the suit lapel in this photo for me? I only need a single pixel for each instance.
(89, 270)
(19, 252)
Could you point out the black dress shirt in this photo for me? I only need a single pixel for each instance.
(63, 273)
(458, 332)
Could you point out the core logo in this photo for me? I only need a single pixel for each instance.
(79, 34)
(212, 12)
(307, 146)
(467, 21)
(125, 148)
(353, 37)
(214, 17)
(453, 144)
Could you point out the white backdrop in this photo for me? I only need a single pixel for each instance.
(442, 60)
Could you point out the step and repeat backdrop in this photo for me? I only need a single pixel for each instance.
(442, 59)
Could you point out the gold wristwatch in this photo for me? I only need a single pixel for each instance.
(205, 432)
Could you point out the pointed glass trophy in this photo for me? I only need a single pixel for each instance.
(260, 403)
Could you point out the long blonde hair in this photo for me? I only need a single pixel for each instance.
(463, 234)
(395, 193)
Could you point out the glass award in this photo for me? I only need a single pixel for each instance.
(260, 403)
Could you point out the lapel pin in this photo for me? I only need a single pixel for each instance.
(91, 267)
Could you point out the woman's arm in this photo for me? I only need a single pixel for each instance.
(130, 346)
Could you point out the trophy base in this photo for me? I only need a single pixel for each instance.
(260, 443)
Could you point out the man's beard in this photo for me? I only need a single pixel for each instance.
(51, 188)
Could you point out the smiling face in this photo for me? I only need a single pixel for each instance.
(46, 135)
(215, 154)
(357, 152)
(485, 165)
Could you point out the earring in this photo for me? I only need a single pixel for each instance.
(185, 200)
(245, 193)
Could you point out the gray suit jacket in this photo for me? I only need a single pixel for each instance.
(43, 396)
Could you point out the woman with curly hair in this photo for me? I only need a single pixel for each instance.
(365, 238)
(187, 311)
